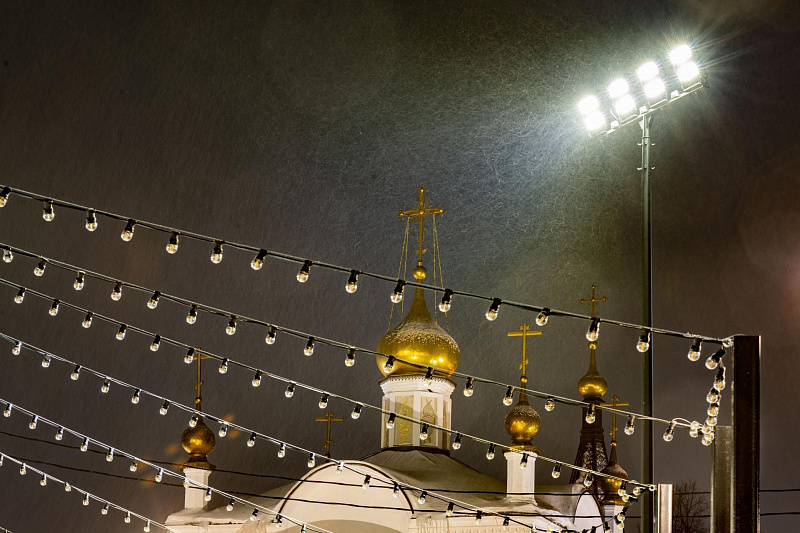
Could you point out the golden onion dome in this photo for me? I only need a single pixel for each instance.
(610, 486)
(198, 443)
(592, 384)
(419, 339)
(522, 422)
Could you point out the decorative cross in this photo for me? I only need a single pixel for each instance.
(614, 404)
(524, 332)
(593, 300)
(420, 211)
(329, 418)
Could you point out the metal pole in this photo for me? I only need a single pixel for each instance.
(745, 415)
(722, 480)
(663, 509)
(647, 321)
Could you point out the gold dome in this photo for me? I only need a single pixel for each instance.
(592, 384)
(522, 422)
(609, 486)
(198, 443)
(419, 339)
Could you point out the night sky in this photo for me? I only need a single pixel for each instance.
(304, 127)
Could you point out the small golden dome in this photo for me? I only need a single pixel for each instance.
(522, 422)
(419, 339)
(198, 443)
(592, 384)
(609, 486)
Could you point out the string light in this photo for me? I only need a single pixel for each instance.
(549, 404)
(711, 421)
(694, 430)
(339, 467)
(33, 422)
(350, 358)
(257, 379)
(105, 387)
(116, 292)
(208, 495)
(104, 510)
(252, 440)
(289, 390)
(396, 490)
(397, 295)
(429, 376)
(258, 260)
(128, 517)
(281, 451)
(67, 487)
(423, 432)
(8, 255)
(450, 507)
(457, 441)
(86, 499)
(110, 455)
(713, 409)
(223, 430)
(509, 397)
(629, 426)
(719, 380)
(223, 366)
(623, 489)
(478, 515)
(309, 349)
(23, 469)
(189, 357)
(20, 297)
(389, 364)
(60, 433)
(390, 421)
(191, 318)
(447, 300)
(17, 348)
(4, 196)
(87, 320)
(80, 281)
(323, 401)
(712, 396)
(669, 434)
(193, 421)
(713, 361)
(47, 211)
(707, 439)
(422, 496)
(644, 342)
(127, 233)
(694, 350)
(556, 471)
(231, 328)
(172, 243)
(356, 412)
(490, 452)
(135, 396)
(91, 220)
(494, 309)
(156, 344)
(230, 505)
(153, 302)
(506, 522)
(541, 319)
(271, 335)
(159, 475)
(85, 444)
(469, 387)
(590, 414)
(134, 466)
(594, 330)
(121, 333)
(147, 527)
(46, 361)
(254, 515)
(311, 460)
(588, 480)
(523, 463)
(76, 373)
(365, 484)
(216, 253)
(54, 308)
(302, 275)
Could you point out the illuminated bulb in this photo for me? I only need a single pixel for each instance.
(323, 401)
(494, 309)
(490, 452)
(273, 332)
(121, 333)
(85, 444)
(252, 440)
(86, 499)
(711, 421)
(390, 421)
(389, 364)
(8, 255)
(309, 349)
(588, 480)
(423, 432)
(257, 379)
(707, 440)
(688, 72)
(54, 308)
(302, 275)
(713, 361)
(4, 196)
(80, 281)
(719, 380)
(339, 467)
(186, 483)
(457, 441)
(223, 367)
(134, 466)
(478, 516)
(156, 344)
(67, 487)
(350, 358)
(153, 302)
(23, 469)
(618, 88)
(509, 397)
(147, 527)
(365, 484)
(33, 422)
(713, 409)
(87, 320)
(447, 300)
(428, 376)
(17, 348)
(258, 260)
(127, 233)
(644, 342)
(712, 396)
(7, 410)
(694, 351)
(208, 495)
(116, 292)
(60, 434)
(128, 517)
(135, 396)
(450, 507)
(191, 318)
(110, 455)
(193, 421)
(47, 212)
(282, 451)
(223, 430)
(629, 426)
(593, 332)
(254, 516)
(396, 490)
(76, 373)
(397, 295)
(312, 460)
(541, 320)
(694, 429)
(105, 509)
(549, 404)
(229, 507)
(159, 475)
(216, 253)
(46, 361)
(172, 243)
(189, 357)
(680, 54)
(278, 521)
(590, 414)
(106, 386)
(422, 496)
(39, 270)
(648, 71)
(523, 463)
(556, 471)
(669, 434)
(289, 390)
(356, 412)
(20, 297)
(231, 329)
(654, 89)
(623, 489)
(469, 387)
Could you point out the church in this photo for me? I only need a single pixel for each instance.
(422, 459)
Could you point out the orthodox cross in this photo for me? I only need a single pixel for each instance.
(614, 404)
(524, 332)
(329, 418)
(421, 211)
(593, 300)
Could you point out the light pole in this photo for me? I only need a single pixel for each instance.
(656, 84)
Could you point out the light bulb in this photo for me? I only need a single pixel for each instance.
(46, 361)
(390, 421)
(469, 387)
(478, 516)
(311, 460)
(629, 426)
(106, 386)
(80, 281)
(556, 471)
(669, 434)
(623, 489)
(116, 292)
(193, 421)
(76, 373)
(87, 321)
(719, 380)
(153, 302)
(523, 463)
(644, 342)
(20, 296)
(60, 433)
(309, 349)
(713, 361)
(694, 429)
(216, 253)
(110, 455)
(273, 332)
(257, 379)
(712, 396)
(33, 422)
(541, 320)
(258, 260)
(289, 390)
(172, 243)
(356, 412)
(231, 328)
(302, 275)
(127, 233)
(86, 499)
(549, 404)
(159, 475)
(494, 309)
(397, 295)
(422, 496)
(223, 430)
(128, 517)
(4, 196)
(47, 212)
(229, 507)
(694, 350)
(85, 444)
(711, 421)
(147, 527)
(590, 414)
(447, 300)
(506, 523)
(189, 357)
(388, 366)
(191, 318)
(8, 255)
(254, 516)
(352, 282)
(457, 441)
(134, 466)
(54, 308)
(509, 397)
(490, 452)
(713, 409)
(708, 439)
(223, 366)
(281, 451)
(429, 376)
(17, 348)
(208, 495)
(396, 490)
(40, 267)
(135, 396)
(23, 469)
(252, 440)
(365, 484)
(186, 483)
(588, 480)
(350, 358)
(156, 344)
(67, 487)
(323, 401)
(423, 432)
(278, 521)
(594, 330)
(121, 333)
(7, 410)
(339, 467)
(450, 507)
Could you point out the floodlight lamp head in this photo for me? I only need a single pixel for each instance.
(617, 88)
(680, 54)
(588, 104)
(647, 72)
